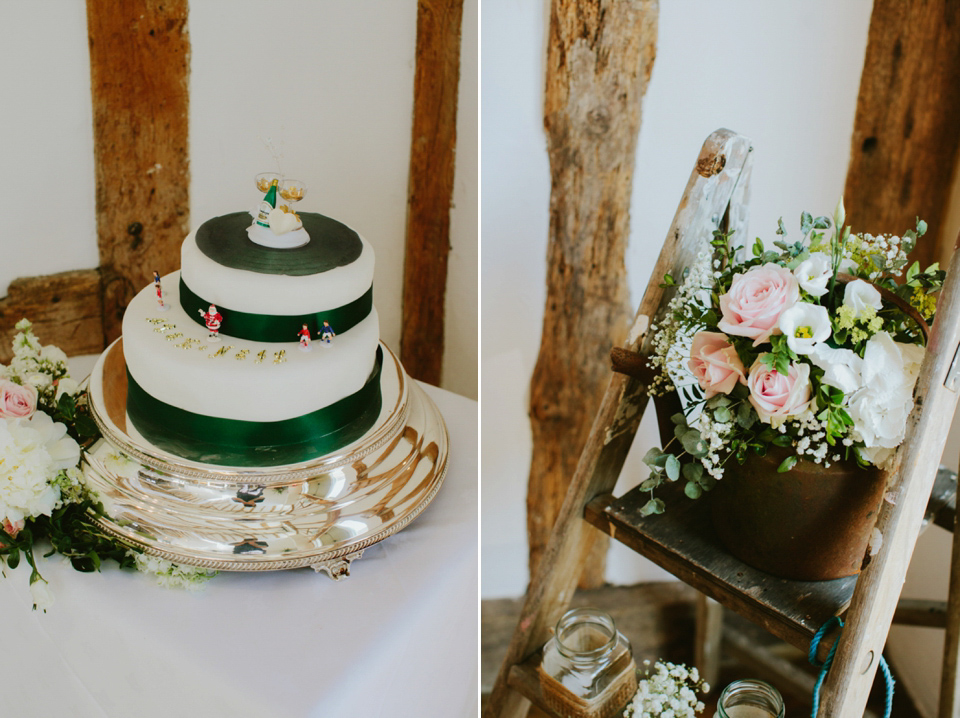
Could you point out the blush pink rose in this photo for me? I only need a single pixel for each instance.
(715, 364)
(16, 401)
(777, 397)
(756, 300)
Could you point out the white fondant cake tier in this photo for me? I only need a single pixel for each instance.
(229, 387)
(255, 293)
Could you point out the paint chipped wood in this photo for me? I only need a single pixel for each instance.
(65, 310)
(599, 59)
(139, 55)
(430, 187)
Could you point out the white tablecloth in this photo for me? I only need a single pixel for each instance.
(398, 638)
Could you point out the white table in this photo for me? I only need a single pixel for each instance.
(398, 638)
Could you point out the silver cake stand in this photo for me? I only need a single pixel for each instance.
(321, 513)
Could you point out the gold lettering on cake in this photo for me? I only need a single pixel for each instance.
(171, 337)
(164, 327)
(242, 354)
(260, 357)
(155, 320)
(220, 352)
(188, 343)
(280, 356)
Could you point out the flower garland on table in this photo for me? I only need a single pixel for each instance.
(813, 346)
(667, 690)
(45, 423)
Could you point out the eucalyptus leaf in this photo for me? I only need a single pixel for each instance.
(693, 471)
(653, 506)
(722, 414)
(692, 490)
(650, 484)
(672, 468)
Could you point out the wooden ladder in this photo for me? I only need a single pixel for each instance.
(682, 540)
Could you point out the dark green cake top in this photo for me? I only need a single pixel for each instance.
(332, 244)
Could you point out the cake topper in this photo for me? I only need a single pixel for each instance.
(326, 333)
(304, 339)
(213, 319)
(278, 226)
(156, 283)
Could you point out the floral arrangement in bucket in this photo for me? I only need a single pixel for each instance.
(813, 347)
(668, 690)
(45, 424)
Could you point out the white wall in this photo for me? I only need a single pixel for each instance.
(329, 83)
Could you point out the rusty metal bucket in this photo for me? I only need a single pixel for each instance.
(810, 523)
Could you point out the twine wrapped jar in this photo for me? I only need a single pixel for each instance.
(587, 669)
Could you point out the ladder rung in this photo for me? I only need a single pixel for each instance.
(942, 507)
(684, 542)
(525, 680)
(917, 612)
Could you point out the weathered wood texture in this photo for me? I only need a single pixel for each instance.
(139, 62)
(949, 679)
(701, 210)
(599, 58)
(911, 480)
(65, 309)
(430, 187)
(904, 146)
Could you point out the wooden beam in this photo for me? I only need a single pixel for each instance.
(430, 187)
(139, 55)
(65, 309)
(599, 58)
(905, 139)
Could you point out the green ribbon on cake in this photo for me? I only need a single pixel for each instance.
(277, 327)
(234, 442)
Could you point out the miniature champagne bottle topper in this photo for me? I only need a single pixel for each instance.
(278, 225)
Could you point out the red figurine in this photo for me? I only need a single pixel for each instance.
(213, 319)
(156, 284)
(304, 338)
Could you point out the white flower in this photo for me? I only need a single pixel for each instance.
(32, 452)
(172, 575)
(42, 595)
(814, 273)
(805, 326)
(842, 367)
(39, 380)
(54, 354)
(859, 295)
(66, 385)
(879, 408)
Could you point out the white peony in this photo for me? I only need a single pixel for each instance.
(859, 295)
(842, 368)
(814, 273)
(32, 452)
(805, 326)
(879, 408)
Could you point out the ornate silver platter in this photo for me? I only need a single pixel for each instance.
(321, 513)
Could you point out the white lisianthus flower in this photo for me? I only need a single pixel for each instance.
(39, 380)
(54, 354)
(805, 326)
(842, 368)
(859, 295)
(814, 273)
(32, 452)
(879, 408)
(42, 595)
(66, 385)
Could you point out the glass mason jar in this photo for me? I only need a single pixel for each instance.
(750, 699)
(587, 669)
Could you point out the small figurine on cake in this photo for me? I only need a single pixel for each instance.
(156, 283)
(326, 333)
(304, 339)
(213, 319)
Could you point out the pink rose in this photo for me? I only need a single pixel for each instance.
(756, 300)
(13, 527)
(777, 397)
(715, 364)
(16, 401)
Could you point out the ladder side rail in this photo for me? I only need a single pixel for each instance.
(708, 193)
(909, 485)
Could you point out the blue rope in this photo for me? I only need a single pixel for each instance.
(825, 666)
